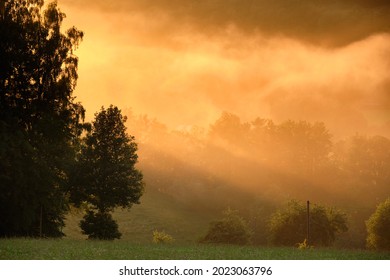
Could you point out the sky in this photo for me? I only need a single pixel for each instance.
(185, 62)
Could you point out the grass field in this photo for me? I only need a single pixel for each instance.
(160, 212)
(65, 249)
(157, 211)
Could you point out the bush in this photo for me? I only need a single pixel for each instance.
(160, 237)
(288, 226)
(378, 227)
(231, 229)
(304, 245)
(99, 226)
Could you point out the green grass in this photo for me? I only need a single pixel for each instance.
(65, 249)
(160, 212)
(157, 211)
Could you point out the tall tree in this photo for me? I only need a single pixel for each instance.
(106, 176)
(39, 118)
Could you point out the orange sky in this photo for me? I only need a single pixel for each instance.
(185, 63)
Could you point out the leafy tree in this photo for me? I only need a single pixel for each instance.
(105, 176)
(288, 226)
(100, 226)
(231, 229)
(230, 129)
(39, 119)
(378, 227)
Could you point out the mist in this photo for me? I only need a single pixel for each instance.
(185, 63)
(236, 102)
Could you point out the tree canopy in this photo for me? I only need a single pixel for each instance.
(39, 118)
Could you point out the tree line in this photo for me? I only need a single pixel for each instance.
(277, 160)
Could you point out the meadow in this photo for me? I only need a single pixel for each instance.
(157, 211)
(161, 212)
(65, 249)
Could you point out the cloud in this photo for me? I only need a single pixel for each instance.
(330, 23)
(186, 67)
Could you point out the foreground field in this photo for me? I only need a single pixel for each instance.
(47, 249)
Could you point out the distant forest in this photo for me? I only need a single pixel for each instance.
(258, 165)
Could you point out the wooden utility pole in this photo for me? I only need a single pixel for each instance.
(308, 223)
(40, 222)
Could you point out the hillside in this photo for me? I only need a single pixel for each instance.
(157, 211)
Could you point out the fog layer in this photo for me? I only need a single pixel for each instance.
(185, 62)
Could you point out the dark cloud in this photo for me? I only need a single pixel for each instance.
(322, 22)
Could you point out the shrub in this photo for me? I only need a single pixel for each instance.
(378, 227)
(231, 229)
(288, 226)
(99, 226)
(160, 237)
(304, 245)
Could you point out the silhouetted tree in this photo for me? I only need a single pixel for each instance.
(288, 226)
(378, 227)
(39, 120)
(105, 176)
(98, 225)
